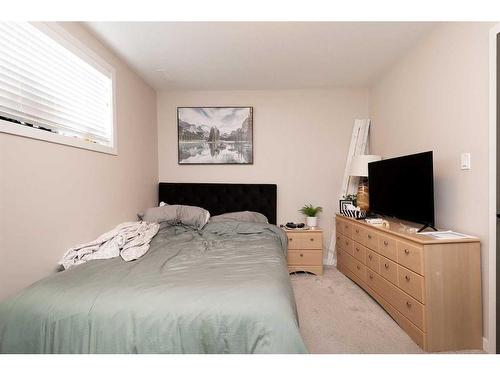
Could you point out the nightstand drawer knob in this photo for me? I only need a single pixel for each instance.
(407, 251)
(312, 239)
(358, 267)
(408, 303)
(301, 255)
(369, 236)
(357, 230)
(407, 278)
(371, 276)
(386, 243)
(370, 257)
(386, 266)
(290, 239)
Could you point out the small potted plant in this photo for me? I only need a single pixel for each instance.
(311, 213)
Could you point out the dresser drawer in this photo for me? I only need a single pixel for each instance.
(346, 244)
(359, 270)
(359, 251)
(305, 240)
(347, 228)
(372, 260)
(340, 257)
(406, 305)
(358, 233)
(411, 283)
(305, 257)
(338, 225)
(370, 239)
(338, 241)
(411, 256)
(387, 246)
(389, 270)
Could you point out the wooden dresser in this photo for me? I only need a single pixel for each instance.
(305, 251)
(431, 288)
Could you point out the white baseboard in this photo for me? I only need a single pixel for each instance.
(485, 345)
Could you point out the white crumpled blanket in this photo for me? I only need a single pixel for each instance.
(129, 240)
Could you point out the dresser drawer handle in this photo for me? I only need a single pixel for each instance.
(407, 278)
(301, 255)
(347, 243)
(386, 243)
(312, 239)
(290, 239)
(386, 266)
(369, 236)
(357, 266)
(357, 249)
(407, 251)
(370, 257)
(408, 303)
(357, 230)
(371, 276)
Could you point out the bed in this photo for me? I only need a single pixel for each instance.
(223, 289)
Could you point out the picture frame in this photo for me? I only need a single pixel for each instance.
(215, 135)
(344, 202)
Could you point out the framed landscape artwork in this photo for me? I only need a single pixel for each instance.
(215, 135)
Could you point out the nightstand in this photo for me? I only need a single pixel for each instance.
(305, 251)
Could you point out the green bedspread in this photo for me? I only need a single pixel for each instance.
(224, 289)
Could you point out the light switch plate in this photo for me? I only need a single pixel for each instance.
(465, 161)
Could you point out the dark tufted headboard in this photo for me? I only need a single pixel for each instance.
(222, 198)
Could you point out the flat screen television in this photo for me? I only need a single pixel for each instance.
(403, 187)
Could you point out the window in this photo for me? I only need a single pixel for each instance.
(53, 88)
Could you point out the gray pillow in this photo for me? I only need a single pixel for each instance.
(159, 214)
(248, 216)
(192, 216)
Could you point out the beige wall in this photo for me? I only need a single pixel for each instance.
(301, 139)
(436, 98)
(54, 196)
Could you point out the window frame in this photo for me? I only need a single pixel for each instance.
(60, 35)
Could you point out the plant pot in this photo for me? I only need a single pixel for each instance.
(312, 221)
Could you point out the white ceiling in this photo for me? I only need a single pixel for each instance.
(259, 55)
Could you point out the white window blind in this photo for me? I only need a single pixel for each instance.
(48, 87)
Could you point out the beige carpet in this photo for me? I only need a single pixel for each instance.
(337, 316)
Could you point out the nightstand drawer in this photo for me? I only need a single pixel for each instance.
(305, 240)
(305, 257)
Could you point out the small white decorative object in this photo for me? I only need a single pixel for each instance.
(312, 221)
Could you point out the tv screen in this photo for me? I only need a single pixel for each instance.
(403, 187)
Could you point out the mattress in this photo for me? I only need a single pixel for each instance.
(224, 289)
